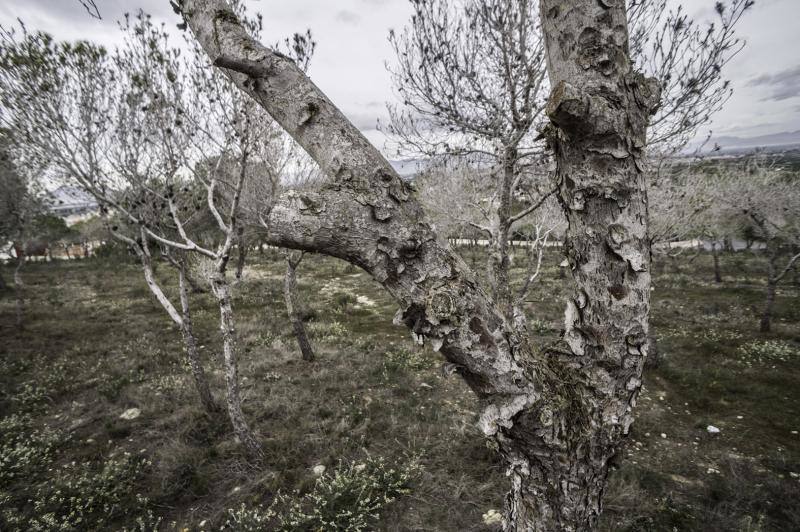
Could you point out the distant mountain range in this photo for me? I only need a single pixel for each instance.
(728, 144)
(784, 139)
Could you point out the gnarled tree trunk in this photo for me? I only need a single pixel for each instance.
(556, 416)
(290, 296)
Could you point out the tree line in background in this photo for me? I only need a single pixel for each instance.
(535, 126)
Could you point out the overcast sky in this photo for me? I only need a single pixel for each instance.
(352, 51)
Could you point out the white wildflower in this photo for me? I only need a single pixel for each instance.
(492, 517)
(131, 413)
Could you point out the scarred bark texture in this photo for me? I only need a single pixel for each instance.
(599, 109)
(557, 415)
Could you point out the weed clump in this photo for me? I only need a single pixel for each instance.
(78, 496)
(347, 500)
(760, 352)
(409, 359)
(24, 450)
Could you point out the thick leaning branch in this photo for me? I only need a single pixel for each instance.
(367, 216)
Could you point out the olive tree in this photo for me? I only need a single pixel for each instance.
(71, 110)
(556, 415)
(764, 201)
(20, 206)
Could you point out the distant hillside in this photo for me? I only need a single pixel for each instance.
(784, 139)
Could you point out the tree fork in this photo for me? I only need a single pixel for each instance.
(556, 416)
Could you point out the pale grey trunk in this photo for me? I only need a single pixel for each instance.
(221, 289)
(556, 416)
(190, 342)
(290, 296)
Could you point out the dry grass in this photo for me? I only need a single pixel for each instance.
(96, 344)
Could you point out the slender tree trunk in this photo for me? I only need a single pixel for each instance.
(19, 289)
(3, 284)
(290, 296)
(766, 317)
(190, 342)
(499, 260)
(241, 256)
(715, 254)
(221, 289)
(772, 283)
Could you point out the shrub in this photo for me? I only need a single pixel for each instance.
(766, 352)
(410, 359)
(343, 300)
(347, 500)
(327, 332)
(23, 449)
(79, 497)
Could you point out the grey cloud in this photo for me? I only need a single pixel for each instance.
(782, 85)
(348, 17)
(73, 11)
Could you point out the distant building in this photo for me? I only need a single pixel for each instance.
(72, 204)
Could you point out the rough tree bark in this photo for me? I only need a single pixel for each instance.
(557, 415)
(290, 296)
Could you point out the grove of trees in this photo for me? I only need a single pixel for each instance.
(553, 121)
